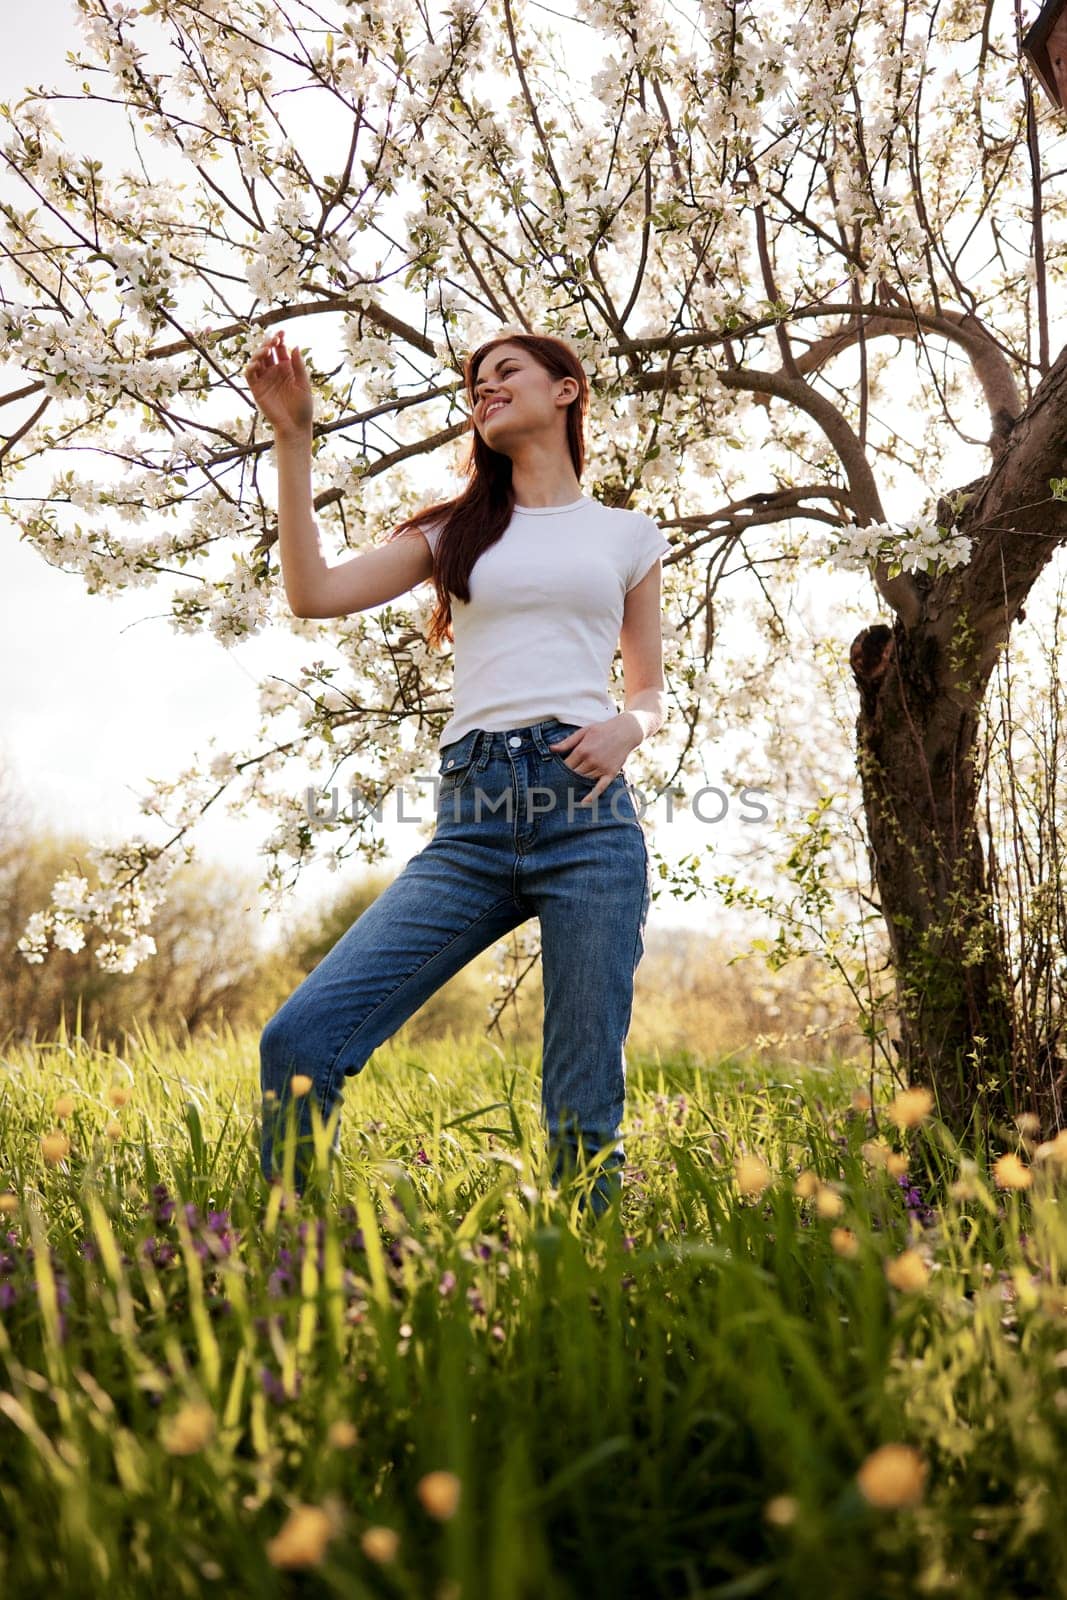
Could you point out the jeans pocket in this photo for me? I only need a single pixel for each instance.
(558, 758)
(579, 777)
(454, 771)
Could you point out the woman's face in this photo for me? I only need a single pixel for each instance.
(515, 397)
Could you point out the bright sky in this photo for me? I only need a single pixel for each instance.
(109, 696)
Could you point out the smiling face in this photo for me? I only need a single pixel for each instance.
(514, 397)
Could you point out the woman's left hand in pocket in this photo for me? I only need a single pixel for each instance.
(599, 749)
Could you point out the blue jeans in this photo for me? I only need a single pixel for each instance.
(510, 842)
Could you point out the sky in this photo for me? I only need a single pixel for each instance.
(108, 696)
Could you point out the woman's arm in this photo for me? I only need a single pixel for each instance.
(313, 588)
(599, 749)
(641, 642)
(304, 566)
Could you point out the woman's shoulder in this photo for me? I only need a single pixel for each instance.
(632, 526)
(628, 516)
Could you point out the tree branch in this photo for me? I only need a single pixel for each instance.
(991, 366)
(900, 592)
(1016, 523)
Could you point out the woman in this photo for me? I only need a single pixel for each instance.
(535, 816)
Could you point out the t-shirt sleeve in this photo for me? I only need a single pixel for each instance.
(649, 545)
(431, 530)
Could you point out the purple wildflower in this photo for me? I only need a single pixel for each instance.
(916, 1206)
(160, 1252)
(161, 1205)
(274, 1388)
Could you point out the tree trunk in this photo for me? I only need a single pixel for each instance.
(922, 683)
(916, 750)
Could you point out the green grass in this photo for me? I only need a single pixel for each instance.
(675, 1400)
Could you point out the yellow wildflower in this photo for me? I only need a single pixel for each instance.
(302, 1539)
(1053, 1149)
(380, 1544)
(781, 1510)
(55, 1146)
(439, 1493)
(892, 1476)
(907, 1271)
(752, 1174)
(875, 1152)
(910, 1107)
(828, 1203)
(1009, 1172)
(189, 1430)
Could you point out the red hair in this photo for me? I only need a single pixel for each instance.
(476, 517)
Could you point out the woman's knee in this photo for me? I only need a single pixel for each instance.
(283, 1049)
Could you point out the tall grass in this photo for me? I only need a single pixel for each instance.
(817, 1350)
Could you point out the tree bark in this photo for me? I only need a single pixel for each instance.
(921, 685)
(915, 751)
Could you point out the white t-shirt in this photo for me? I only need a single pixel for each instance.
(540, 631)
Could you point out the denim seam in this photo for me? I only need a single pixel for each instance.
(646, 890)
(633, 955)
(331, 1071)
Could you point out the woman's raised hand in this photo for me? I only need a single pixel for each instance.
(280, 386)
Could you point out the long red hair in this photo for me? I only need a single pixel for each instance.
(476, 517)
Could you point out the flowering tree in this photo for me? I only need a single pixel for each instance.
(761, 224)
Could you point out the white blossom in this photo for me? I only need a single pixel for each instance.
(136, 285)
(916, 547)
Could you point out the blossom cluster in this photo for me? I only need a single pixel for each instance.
(916, 546)
(623, 216)
(234, 608)
(132, 884)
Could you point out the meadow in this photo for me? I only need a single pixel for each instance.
(817, 1350)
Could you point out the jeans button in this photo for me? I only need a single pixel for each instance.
(514, 741)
